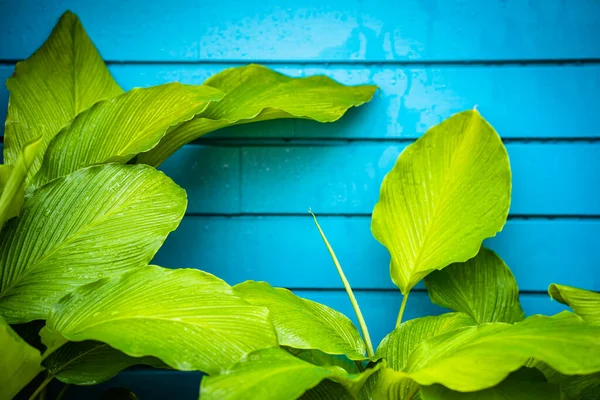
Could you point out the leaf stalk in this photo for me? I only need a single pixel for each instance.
(359, 316)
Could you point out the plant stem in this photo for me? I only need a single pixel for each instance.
(359, 316)
(42, 386)
(402, 307)
(63, 391)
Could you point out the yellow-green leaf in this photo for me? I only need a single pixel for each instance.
(397, 347)
(13, 182)
(95, 222)
(304, 324)
(275, 374)
(116, 130)
(483, 288)
(447, 192)
(62, 78)
(477, 358)
(19, 362)
(585, 303)
(187, 318)
(255, 93)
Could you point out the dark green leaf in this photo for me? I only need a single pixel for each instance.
(90, 362)
(483, 288)
(256, 93)
(524, 384)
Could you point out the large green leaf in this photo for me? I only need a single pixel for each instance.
(447, 192)
(573, 387)
(397, 347)
(62, 78)
(524, 384)
(19, 362)
(327, 390)
(304, 324)
(256, 93)
(276, 374)
(117, 129)
(90, 362)
(476, 358)
(482, 287)
(13, 182)
(189, 319)
(584, 302)
(95, 222)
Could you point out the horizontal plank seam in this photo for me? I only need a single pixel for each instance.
(332, 141)
(511, 217)
(328, 62)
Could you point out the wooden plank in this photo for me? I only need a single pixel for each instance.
(345, 179)
(288, 251)
(521, 102)
(336, 30)
(379, 309)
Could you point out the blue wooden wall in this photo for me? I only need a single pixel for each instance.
(531, 67)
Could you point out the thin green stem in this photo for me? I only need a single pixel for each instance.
(63, 391)
(41, 387)
(402, 307)
(359, 316)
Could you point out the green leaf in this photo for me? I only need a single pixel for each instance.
(397, 347)
(13, 182)
(19, 362)
(276, 374)
(447, 192)
(255, 93)
(96, 222)
(116, 130)
(573, 387)
(483, 288)
(584, 302)
(206, 325)
(304, 324)
(327, 390)
(524, 384)
(90, 362)
(476, 358)
(317, 357)
(62, 78)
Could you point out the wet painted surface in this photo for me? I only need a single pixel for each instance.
(532, 69)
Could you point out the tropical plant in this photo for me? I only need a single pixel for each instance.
(83, 212)
(91, 211)
(447, 192)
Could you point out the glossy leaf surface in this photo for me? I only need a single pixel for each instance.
(95, 222)
(302, 323)
(585, 303)
(256, 93)
(448, 192)
(116, 130)
(206, 325)
(19, 362)
(276, 374)
(483, 288)
(61, 79)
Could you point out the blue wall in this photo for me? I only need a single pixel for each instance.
(531, 67)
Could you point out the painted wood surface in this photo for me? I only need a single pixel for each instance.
(532, 69)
